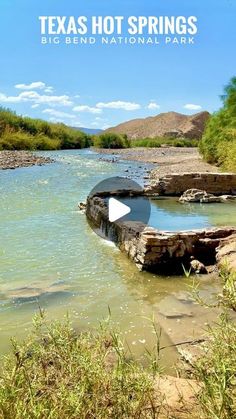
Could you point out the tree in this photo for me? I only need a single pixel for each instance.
(218, 144)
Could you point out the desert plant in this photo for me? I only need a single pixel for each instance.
(57, 373)
(215, 369)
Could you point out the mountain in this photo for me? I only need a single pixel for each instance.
(90, 131)
(170, 124)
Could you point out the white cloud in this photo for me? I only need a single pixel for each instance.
(127, 106)
(9, 99)
(49, 89)
(36, 98)
(153, 105)
(36, 105)
(86, 108)
(59, 114)
(192, 107)
(35, 85)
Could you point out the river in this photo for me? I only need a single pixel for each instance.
(50, 257)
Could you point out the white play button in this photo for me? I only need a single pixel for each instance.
(117, 210)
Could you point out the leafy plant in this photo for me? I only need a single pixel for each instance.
(218, 144)
(111, 140)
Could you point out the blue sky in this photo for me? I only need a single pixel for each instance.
(98, 85)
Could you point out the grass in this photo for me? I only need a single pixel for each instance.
(56, 373)
(216, 369)
(228, 297)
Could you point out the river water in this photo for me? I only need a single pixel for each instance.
(49, 256)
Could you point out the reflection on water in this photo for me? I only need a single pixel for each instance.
(50, 257)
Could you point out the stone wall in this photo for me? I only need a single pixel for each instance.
(153, 250)
(177, 184)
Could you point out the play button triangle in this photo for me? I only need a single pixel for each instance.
(117, 210)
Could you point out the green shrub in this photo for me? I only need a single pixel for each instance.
(59, 374)
(111, 140)
(23, 133)
(219, 139)
(164, 141)
(42, 142)
(23, 141)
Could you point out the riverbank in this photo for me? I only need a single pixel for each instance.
(16, 159)
(168, 159)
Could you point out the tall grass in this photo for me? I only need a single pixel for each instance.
(56, 373)
(216, 370)
(23, 133)
(216, 367)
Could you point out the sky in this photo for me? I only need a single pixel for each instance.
(97, 86)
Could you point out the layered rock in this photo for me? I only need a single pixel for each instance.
(154, 250)
(226, 252)
(176, 184)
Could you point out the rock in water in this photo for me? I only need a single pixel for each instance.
(197, 266)
(197, 195)
(82, 206)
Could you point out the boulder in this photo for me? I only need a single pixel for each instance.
(197, 195)
(82, 206)
(198, 267)
(226, 252)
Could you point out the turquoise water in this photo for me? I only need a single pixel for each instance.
(169, 214)
(50, 257)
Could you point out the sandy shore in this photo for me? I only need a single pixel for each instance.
(16, 159)
(168, 160)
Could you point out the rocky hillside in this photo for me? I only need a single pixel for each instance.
(170, 124)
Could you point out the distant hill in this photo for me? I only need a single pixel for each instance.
(170, 124)
(89, 131)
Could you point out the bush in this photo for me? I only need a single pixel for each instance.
(218, 143)
(58, 374)
(164, 141)
(23, 141)
(111, 140)
(23, 133)
(216, 366)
